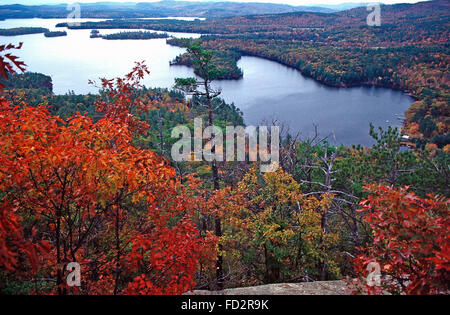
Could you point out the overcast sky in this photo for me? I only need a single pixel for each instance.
(292, 2)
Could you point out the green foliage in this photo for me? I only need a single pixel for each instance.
(441, 140)
(388, 163)
(202, 61)
(276, 232)
(225, 114)
(427, 127)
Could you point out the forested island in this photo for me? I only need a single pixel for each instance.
(226, 61)
(135, 35)
(22, 31)
(55, 34)
(17, 31)
(92, 179)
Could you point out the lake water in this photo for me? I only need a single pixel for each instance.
(268, 90)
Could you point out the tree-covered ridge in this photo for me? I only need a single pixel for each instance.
(28, 80)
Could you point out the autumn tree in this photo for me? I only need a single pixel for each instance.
(410, 242)
(119, 98)
(273, 233)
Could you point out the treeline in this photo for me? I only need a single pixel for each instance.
(416, 70)
(31, 30)
(158, 25)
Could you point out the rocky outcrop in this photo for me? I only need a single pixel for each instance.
(304, 288)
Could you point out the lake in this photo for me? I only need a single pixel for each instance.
(268, 90)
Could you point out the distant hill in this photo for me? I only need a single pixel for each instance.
(153, 9)
(344, 6)
(412, 14)
(400, 14)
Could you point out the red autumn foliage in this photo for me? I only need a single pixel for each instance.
(13, 245)
(121, 102)
(174, 261)
(410, 242)
(8, 61)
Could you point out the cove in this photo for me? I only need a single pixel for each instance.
(270, 92)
